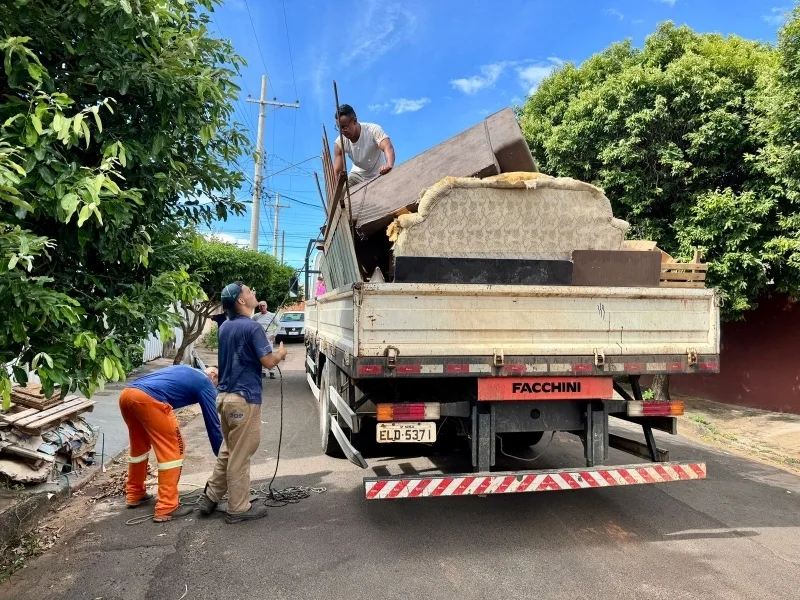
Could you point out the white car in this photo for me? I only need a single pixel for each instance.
(291, 326)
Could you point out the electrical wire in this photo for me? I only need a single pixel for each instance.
(504, 453)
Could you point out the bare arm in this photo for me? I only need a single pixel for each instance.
(338, 162)
(270, 361)
(388, 153)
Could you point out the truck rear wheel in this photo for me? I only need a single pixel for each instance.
(330, 446)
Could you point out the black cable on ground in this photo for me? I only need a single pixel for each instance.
(291, 495)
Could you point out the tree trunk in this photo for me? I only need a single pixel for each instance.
(660, 388)
(193, 322)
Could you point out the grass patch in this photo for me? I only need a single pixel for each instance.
(13, 557)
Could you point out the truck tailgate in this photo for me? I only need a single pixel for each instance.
(471, 320)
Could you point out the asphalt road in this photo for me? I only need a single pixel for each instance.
(734, 535)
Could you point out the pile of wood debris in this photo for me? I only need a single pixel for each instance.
(42, 437)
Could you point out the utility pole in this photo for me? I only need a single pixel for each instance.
(283, 243)
(262, 114)
(277, 206)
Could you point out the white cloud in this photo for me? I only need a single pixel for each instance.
(637, 21)
(670, 2)
(381, 25)
(613, 12)
(399, 106)
(402, 105)
(529, 72)
(777, 16)
(531, 75)
(228, 239)
(488, 77)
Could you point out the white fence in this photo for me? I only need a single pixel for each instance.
(154, 347)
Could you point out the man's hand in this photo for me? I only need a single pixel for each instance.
(281, 351)
(385, 169)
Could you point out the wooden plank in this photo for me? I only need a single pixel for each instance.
(25, 452)
(45, 413)
(682, 284)
(67, 412)
(673, 266)
(13, 417)
(616, 268)
(638, 245)
(683, 276)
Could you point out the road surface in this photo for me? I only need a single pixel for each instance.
(735, 535)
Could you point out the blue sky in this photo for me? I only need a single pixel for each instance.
(424, 70)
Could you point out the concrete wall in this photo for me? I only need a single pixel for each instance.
(760, 362)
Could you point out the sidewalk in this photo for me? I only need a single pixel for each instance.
(758, 434)
(21, 507)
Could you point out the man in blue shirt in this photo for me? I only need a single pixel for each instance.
(243, 350)
(147, 405)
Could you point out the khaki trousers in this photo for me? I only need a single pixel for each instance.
(241, 433)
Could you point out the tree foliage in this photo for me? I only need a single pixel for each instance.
(114, 139)
(674, 134)
(216, 264)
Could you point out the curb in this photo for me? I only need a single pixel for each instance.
(714, 436)
(34, 503)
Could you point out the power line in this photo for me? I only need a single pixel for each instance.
(255, 35)
(288, 43)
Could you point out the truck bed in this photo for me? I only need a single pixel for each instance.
(539, 322)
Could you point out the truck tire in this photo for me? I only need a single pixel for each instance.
(330, 446)
(520, 440)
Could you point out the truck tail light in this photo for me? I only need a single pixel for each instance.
(408, 411)
(674, 408)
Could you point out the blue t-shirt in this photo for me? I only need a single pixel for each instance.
(242, 343)
(181, 385)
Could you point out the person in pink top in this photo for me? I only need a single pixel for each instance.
(320, 287)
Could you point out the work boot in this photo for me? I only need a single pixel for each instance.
(143, 500)
(255, 512)
(207, 505)
(181, 511)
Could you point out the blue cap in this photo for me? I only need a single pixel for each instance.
(230, 294)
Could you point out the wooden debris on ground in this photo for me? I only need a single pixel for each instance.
(31, 396)
(42, 437)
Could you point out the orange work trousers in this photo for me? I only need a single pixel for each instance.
(152, 424)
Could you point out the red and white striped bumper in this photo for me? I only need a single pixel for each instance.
(477, 484)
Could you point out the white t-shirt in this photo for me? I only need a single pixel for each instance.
(366, 153)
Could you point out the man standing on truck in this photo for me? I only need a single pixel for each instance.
(147, 405)
(366, 144)
(243, 350)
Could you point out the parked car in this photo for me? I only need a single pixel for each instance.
(291, 326)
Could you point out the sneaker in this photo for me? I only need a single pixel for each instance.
(181, 511)
(207, 505)
(143, 500)
(271, 375)
(255, 512)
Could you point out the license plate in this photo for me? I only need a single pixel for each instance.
(411, 432)
(545, 388)
(294, 331)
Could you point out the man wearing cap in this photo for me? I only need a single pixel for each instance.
(243, 350)
(147, 405)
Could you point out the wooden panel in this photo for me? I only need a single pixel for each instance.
(442, 269)
(610, 268)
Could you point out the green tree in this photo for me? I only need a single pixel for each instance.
(216, 264)
(668, 132)
(114, 140)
